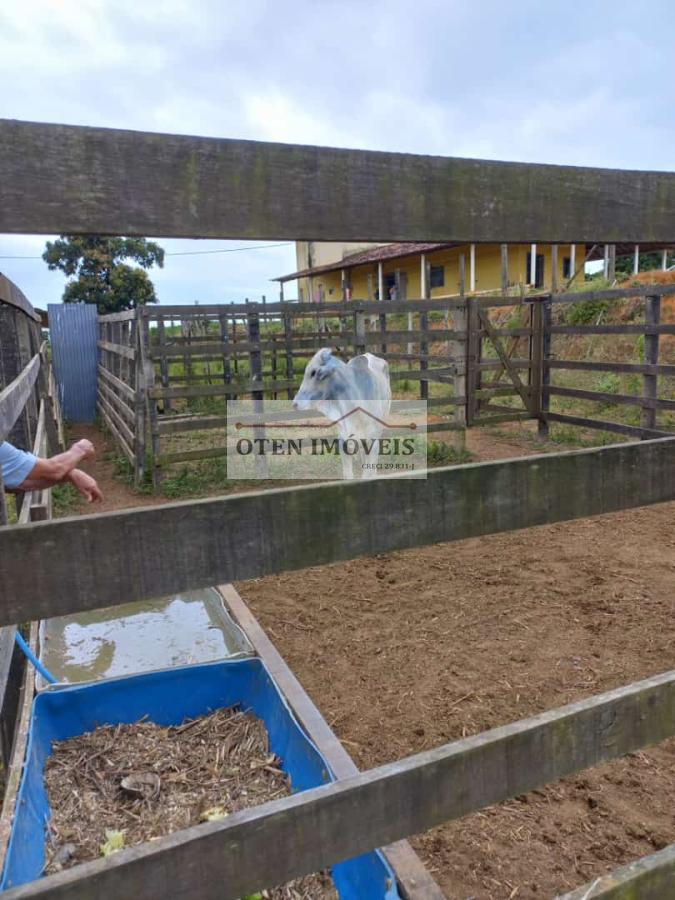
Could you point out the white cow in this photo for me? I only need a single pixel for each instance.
(357, 396)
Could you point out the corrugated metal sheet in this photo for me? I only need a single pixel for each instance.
(72, 332)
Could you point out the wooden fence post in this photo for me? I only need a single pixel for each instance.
(144, 403)
(359, 332)
(554, 268)
(235, 358)
(458, 350)
(650, 382)
(255, 360)
(288, 338)
(611, 263)
(505, 268)
(225, 339)
(424, 327)
(473, 354)
(163, 361)
(545, 402)
(536, 358)
(42, 384)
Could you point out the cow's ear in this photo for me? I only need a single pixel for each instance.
(325, 355)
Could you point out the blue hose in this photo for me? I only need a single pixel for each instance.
(31, 657)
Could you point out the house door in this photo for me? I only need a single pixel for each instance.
(390, 288)
(539, 270)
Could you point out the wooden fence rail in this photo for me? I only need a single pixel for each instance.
(179, 546)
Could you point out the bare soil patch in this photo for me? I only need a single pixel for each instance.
(406, 651)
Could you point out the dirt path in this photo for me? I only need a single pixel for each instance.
(409, 650)
(116, 492)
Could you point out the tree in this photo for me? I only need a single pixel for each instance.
(99, 274)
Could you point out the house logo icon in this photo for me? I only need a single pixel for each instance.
(410, 426)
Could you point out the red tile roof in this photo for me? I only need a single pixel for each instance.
(372, 255)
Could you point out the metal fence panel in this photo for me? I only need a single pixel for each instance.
(73, 336)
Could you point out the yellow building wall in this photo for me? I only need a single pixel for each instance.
(488, 272)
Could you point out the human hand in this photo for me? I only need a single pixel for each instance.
(86, 485)
(85, 448)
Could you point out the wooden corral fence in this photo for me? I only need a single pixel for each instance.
(156, 362)
(30, 418)
(120, 390)
(179, 186)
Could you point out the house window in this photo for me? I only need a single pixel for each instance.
(567, 267)
(539, 270)
(437, 277)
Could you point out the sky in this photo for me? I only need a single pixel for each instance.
(574, 83)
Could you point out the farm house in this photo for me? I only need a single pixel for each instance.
(431, 620)
(396, 271)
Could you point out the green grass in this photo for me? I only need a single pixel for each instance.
(439, 453)
(202, 478)
(65, 500)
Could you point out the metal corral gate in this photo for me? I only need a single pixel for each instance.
(72, 331)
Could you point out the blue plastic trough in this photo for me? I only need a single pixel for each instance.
(167, 698)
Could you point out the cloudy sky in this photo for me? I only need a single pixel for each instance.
(582, 83)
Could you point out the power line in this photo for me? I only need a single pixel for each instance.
(192, 252)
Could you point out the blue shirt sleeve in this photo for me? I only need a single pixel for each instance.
(16, 465)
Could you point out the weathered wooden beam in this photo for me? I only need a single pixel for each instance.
(54, 568)
(604, 397)
(125, 316)
(649, 878)
(600, 425)
(612, 329)
(117, 349)
(75, 180)
(14, 397)
(632, 368)
(219, 390)
(14, 296)
(117, 383)
(277, 310)
(269, 844)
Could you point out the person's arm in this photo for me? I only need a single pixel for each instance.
(85, 485)
(48, 472)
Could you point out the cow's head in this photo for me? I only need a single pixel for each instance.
(316, 384)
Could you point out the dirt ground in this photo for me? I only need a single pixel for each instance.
(409, 650)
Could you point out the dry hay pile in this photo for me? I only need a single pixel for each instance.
(125, 784)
